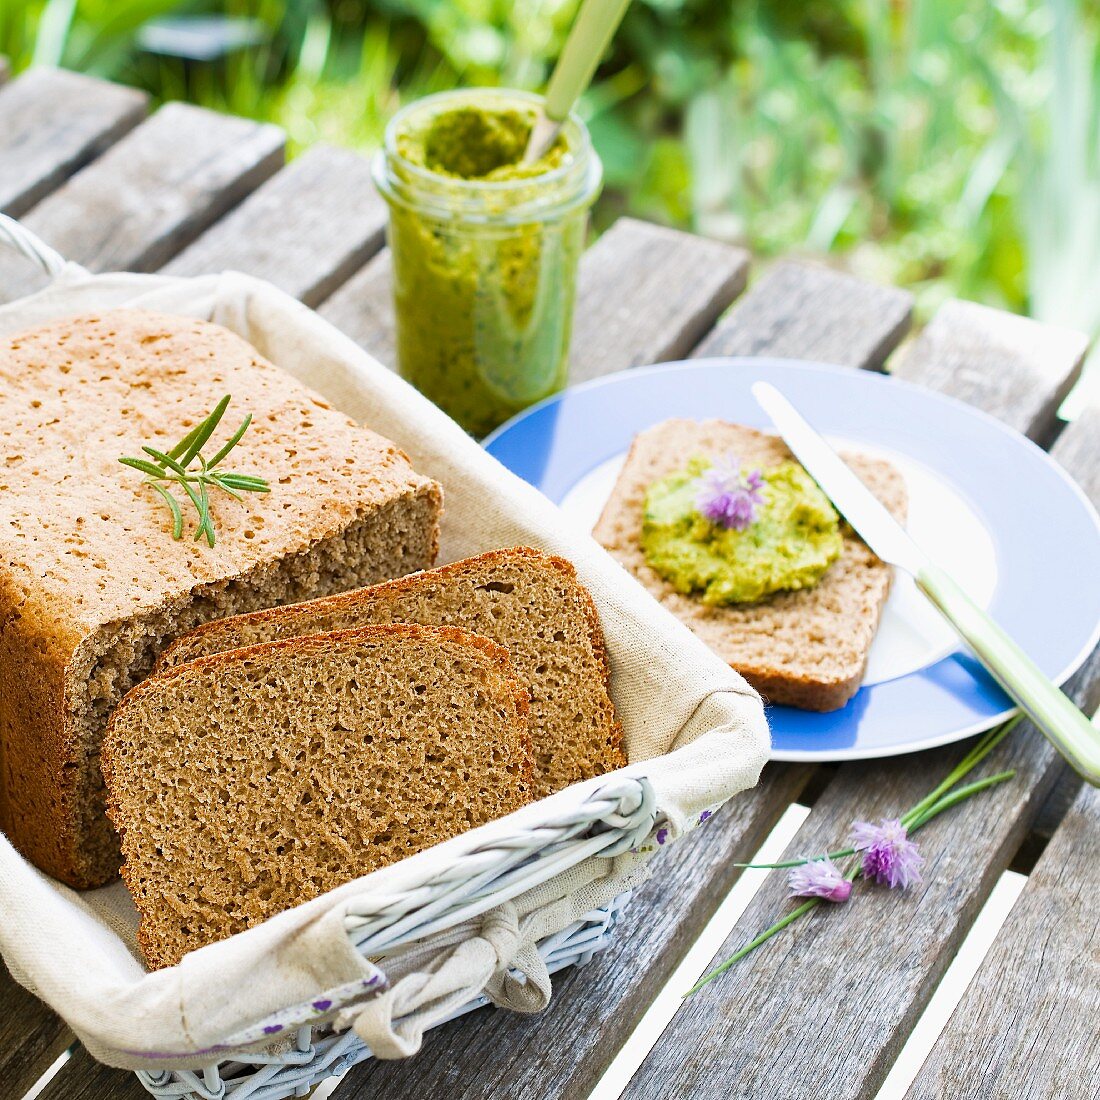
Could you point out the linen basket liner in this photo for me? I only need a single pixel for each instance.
(694, 733)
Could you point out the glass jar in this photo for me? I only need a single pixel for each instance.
(485, 270)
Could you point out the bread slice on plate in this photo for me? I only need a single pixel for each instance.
(249, 782)
(807, 648)
(529, 602)
(92, 584)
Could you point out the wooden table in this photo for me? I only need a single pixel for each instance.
(824, 1010)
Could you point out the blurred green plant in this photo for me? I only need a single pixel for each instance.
(893, 156)
(1059, 176)
(950, 146)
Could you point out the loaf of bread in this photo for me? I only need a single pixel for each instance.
(807, 648)
(248, 782)
(92, 585)
(529, 602)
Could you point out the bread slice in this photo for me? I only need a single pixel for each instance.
(806, 649)
(529, 602)
(92, 585)
(248, 782)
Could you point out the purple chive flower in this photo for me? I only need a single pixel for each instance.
(889, 856)
(726, 497)
(820, 878)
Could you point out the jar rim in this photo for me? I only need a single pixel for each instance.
(573, 183)
(455, 98)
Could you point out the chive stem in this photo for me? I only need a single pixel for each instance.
(752, 945)
(943, 797)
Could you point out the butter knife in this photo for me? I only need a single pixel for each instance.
(1066, 727)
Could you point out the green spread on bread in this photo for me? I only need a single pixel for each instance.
(786, 539)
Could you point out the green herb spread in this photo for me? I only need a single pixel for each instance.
(473, 143)
(483, 312)
(793, 540)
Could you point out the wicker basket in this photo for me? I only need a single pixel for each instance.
(614, 820)
(467, 901)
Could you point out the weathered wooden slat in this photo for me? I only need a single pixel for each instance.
(827, 1006)
(31, 1036)
(1012, 366)
(563, 1052)
(1076, 449)
(682, 282)
(152, 193)
(646, 294)
(53, 122)
(806, 312)
(1027, 1025)
(306, 230)
(83, 1078)
(363, 309)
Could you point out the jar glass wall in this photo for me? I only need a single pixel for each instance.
(484, 266)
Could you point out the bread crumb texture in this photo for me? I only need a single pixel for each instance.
(529, 602)
(92, 586)
(808, 648)
(249, 782)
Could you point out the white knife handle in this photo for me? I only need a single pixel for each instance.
(1067, 729)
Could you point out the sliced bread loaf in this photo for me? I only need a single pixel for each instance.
(92, 585)
(529, 602)
(808, 648)
(246, 783)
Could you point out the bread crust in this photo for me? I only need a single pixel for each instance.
(806, 649)
(88, 570)
(221, 631)
(182, 649)
(114, 764)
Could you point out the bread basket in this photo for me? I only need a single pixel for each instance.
(485, 917)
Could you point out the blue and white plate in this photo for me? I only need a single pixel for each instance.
(988, 505)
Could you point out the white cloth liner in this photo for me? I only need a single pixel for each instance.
(692, 726)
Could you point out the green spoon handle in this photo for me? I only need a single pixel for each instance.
(593, 30)
(1067, 729)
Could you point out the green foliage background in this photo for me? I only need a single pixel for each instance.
(950, 146)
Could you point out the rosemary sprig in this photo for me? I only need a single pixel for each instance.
(176, 467)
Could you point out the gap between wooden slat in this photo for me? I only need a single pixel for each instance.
(49, 1075)
(954, 983)
(307, 229)
(695, 962)
(1027, 1024)
(151, 193)
(52, 123)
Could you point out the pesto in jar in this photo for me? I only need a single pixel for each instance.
(473, 143)
(793, 539)
(485, 254)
